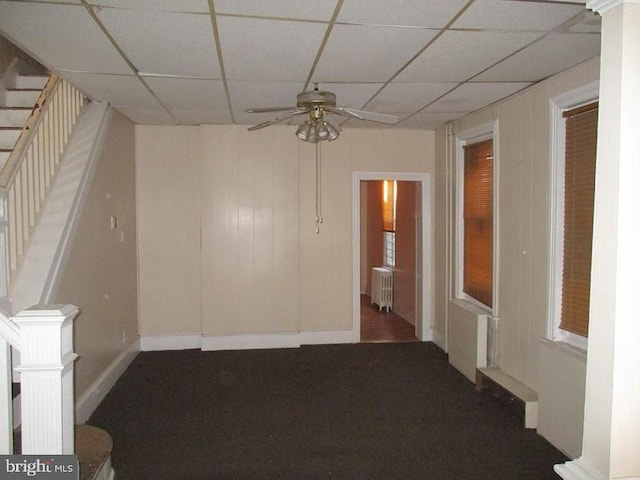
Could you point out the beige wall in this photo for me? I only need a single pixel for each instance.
(404, 277)
(524, 218)
(373, 227)
(262, 268)
(101, 274)
(168, 207)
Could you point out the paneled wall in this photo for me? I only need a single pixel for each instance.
(261, 268)
(404, 302)
(524, 217)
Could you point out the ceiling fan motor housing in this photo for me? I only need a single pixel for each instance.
(316, 97)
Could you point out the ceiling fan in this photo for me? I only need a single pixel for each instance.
(317, 104)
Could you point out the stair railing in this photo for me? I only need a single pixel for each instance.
(44, 336)
(27, 175)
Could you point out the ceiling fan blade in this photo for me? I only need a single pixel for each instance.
(283, 118)
(366, 115)
(343, 111)
(273, 109)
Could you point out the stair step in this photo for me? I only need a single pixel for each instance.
(31, 81)
(93, 447)
(4, 155)
(21, 97)
(14, 116)
(9, 137)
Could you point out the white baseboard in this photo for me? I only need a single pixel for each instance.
(578, 469)
(170, 342)
(326, 337)
(91, 398)
(251, 341)
(245, 341)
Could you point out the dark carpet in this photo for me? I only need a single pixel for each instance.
(375, 412)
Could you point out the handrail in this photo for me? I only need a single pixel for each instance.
(29, 172)
(9, 330)
(8, 171)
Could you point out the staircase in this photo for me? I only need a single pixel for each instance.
(37, 115)
(19, 101)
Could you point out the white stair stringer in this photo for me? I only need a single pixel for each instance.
(38, 276)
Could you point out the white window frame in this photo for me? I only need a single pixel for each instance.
(559, 104)
(389, 250)
(488, 131)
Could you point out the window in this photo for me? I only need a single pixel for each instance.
(581, 132)
(477, 277)
(389, 199)
(573, 161)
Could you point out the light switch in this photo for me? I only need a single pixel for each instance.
(114, 222)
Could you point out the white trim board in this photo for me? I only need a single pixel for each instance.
(244, 341)
(97, 391)
(251, 341)
(170, 342)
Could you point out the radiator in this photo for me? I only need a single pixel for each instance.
(382, 287)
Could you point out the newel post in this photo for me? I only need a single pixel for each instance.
(46, 372)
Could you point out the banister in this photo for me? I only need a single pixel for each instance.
(30, 170)
(10, 168)
(9, 330)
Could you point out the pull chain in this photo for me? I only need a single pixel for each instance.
(318, 187)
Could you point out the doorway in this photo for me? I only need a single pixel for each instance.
(413, 276)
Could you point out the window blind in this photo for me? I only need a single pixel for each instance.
(478, 221)
(389, 206)
(581, 127)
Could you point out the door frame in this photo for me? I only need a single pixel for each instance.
(424, 272)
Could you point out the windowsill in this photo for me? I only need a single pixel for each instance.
(574, 350)
(473, 306)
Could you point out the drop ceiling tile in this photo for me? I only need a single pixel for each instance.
(67, 37)
(263, 94)
(429, 120)
(150, 115)
(417, 13)
(589, 22)
(165, 43)
(201, 116)
(188, 92)
(201, 6)
(459, 55)
(268, 50)
(118, 90)
(316, 10)
(359, 53)
(473, 96)
(55, 1)
(516, 15)
(408, 97)
(353, 95)
(550, 55)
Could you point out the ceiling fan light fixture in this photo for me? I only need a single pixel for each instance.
(334, 130)
(317, 131)
(303, 131)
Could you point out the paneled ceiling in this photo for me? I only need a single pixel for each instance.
(205, 61)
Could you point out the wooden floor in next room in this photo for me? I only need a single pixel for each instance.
(382, 326)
